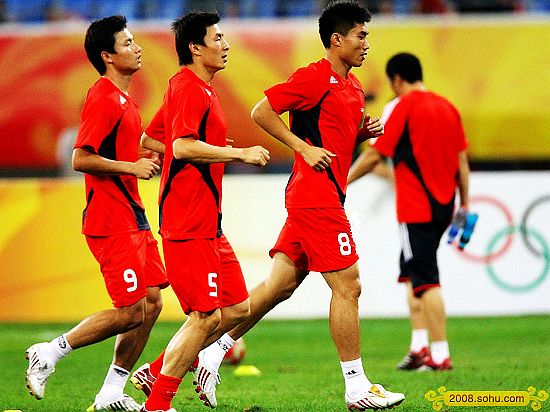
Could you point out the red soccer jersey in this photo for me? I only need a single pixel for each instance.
(424, 129)
(325, 111)
(190, 193)
(110, 126)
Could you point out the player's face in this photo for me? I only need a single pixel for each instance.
(214, 52)
(354, 45)
(127, 58)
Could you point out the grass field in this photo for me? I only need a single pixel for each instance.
(300, 370)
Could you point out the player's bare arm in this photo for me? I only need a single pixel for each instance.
(86, 161)
(149, 143)
(463, 179)
(263, 114)
(365, 163)
(196, 151)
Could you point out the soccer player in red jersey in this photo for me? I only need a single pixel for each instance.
(114, 221)
(327, 120)
(425, 139)
(200, 263)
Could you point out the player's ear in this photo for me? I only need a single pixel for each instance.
(106, 56)
(194, 49)
(336, 39)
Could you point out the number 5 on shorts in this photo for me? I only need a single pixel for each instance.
(212, 283)
(345, 246)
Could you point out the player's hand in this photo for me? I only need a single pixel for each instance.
(372, 127)
(255, 155)
(229, 142)
(145, 168)
(317, 157)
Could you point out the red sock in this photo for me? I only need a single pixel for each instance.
(156, 365)
(164, 390)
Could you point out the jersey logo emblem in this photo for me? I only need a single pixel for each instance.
(122, 100)
(208, 92)
(333, 80)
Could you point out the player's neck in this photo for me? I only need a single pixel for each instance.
(338, 65)
(122, 81)
(413, 87)
(202, 72)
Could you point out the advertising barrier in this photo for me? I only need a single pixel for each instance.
(48, 274)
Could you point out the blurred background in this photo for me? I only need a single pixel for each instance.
(489, 57)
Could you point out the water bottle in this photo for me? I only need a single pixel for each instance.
(469, 226)
(458, 222)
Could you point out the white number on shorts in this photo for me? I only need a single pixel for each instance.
(130, 277)
(345, 246)
(212, 283)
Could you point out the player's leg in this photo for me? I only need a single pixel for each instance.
(361, 393)
(122, 272)
(434, 308)
(101, 325)
(424, 241)
(331, 250)
(129, 345)
(419, 350)
(281, 283)
(279, 286)
(128, 348)
(179, 355)
(193, 270)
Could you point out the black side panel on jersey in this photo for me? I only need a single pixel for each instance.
(88, 200)
(404, 153)
(175, 167)
(305, 124)
(107, 149)
(204, 169)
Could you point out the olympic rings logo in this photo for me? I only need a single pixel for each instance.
(499, 244)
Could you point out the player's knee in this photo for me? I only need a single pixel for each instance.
(283, 294)
(351, 291)
(211, 321)
(241, 313)
(154, 308)
(131, 317)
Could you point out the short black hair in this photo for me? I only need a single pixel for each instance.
(340, 17)
(406, 65)
(192, 28)
(100, 37)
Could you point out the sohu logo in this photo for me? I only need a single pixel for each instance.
(500, 242)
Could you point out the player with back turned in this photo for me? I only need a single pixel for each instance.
(425, 139)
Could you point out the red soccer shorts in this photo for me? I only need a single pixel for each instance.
(317, 240)
(129, 262)
(204, 274)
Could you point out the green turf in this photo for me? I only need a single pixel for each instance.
(300, 371)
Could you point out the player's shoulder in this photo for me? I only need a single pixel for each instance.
(104, 94)
(442, 101)
(318, 75)
(312, 71)
(186, 84)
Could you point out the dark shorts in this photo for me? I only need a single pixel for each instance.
(418, 260)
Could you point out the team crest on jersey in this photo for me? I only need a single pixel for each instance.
(333, 80)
